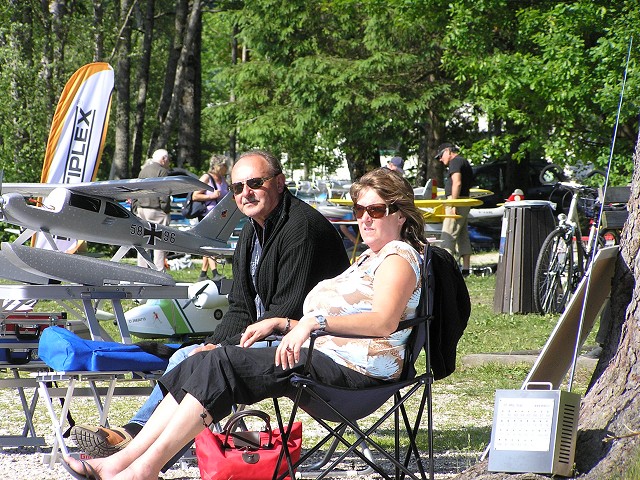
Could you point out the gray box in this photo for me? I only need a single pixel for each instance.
(534, 431)
(525, 225)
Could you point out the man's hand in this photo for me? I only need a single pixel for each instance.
(259, 330)
(203, 348)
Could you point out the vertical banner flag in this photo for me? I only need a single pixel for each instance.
(77, 134)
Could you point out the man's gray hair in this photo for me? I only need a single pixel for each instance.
(159, 154)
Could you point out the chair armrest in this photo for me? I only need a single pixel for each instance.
(404, 324)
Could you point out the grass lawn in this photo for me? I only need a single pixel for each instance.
(463, 402)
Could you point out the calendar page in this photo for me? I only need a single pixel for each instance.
(524, 424)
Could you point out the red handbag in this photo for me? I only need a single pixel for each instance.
(241, 455)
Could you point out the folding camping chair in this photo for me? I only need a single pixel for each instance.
(326, 403)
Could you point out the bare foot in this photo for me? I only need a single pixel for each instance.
(138, 471)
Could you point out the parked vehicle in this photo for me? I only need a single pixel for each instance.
(493, 176)
(565, 254)
(485, 221)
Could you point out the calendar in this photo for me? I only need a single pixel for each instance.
(524, 424)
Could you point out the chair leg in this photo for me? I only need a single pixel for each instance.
(352, 447)
(430, 425)
(315, 469)
(284, 453)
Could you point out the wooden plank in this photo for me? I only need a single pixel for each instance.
(556, 357)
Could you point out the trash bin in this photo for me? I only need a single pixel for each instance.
(525, 225)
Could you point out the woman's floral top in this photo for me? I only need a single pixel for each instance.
(352, 292)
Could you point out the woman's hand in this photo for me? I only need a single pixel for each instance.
(288, 352)
(259, 330)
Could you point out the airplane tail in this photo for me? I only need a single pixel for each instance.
(220, 222)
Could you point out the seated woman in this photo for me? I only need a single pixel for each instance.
(370, 298)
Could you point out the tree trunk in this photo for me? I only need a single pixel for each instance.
(58, 10)
(182, 12)
(609, 423)
(179, 82)
(120, 164)
(609, 428)
(143, 87)
(232, 95)
(98, 37)
(431, 139)
(47, 56)
(188, 151)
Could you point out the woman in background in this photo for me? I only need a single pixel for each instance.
(215, 177)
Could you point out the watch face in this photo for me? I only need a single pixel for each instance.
(321, 321)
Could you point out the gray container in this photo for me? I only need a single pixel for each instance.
(534, 431)
(525, 225)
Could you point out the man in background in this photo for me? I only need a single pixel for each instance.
(396, 164)
(155, 209)
(458, 179)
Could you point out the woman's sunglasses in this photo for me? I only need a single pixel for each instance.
(377, 210)
(252, 183)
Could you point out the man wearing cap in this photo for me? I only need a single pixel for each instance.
(396, 164)
(458, 178)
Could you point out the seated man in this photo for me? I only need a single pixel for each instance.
(284, 250)
(370, 298)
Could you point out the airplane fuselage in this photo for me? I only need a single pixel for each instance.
(68, 214)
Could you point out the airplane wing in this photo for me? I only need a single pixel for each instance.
(115, 189)
(79, 269)
(474, 192)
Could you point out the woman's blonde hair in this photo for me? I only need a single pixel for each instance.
(394, 189)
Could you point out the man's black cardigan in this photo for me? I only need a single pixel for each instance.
(301, 249)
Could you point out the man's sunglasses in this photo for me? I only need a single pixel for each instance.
(377, 210)
(252, 183)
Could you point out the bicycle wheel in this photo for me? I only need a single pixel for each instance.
(553, 278)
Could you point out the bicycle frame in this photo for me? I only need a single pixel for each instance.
(570, 224)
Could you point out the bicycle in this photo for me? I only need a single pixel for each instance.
(564, 257)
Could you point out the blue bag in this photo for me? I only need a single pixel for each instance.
(63, 350)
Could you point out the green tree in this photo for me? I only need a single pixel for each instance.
(322, 75)
(545, 77)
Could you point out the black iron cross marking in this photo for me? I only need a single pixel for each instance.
(152, 233)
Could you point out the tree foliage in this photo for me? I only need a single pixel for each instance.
(546, 77)
(330, 80)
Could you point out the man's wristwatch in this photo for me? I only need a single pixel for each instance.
(321, 321)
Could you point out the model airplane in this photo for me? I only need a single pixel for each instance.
(434, 209)
(90, 211)
(197, 315)
(60, 266)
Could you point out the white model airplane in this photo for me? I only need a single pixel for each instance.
(90, 211)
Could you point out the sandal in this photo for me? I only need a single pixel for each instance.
(89, 472)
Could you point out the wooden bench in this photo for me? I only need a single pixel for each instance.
(614, 219)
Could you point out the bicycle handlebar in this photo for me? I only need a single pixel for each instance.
(576, 187)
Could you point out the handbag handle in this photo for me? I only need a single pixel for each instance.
(249, 441)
